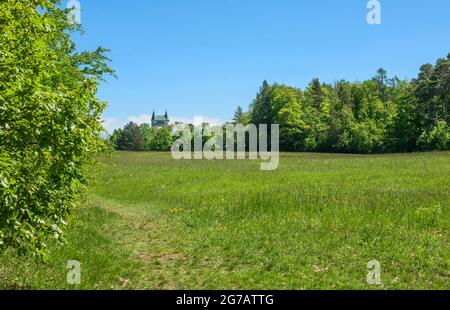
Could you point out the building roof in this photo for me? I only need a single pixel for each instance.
(160, 118)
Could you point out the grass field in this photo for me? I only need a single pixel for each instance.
(151, 222)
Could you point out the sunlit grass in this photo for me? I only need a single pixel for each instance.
(153, 222)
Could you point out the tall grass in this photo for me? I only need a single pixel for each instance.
(152, 222)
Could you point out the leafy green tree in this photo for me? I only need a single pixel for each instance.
(148, 134)
(317, 94)
(341, 115)
(433, 93)
(115, 137)
(50, 122)
(362, 137)
(406, 122)
(163, 140)
(131, 138)
(316, 108)
(386, 92)
(285, 103)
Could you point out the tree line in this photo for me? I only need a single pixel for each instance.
(134, 137)
(383, 114)
(380, 115)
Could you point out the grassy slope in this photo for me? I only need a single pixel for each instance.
(152, 222)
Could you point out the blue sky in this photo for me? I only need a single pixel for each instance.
(200, 59)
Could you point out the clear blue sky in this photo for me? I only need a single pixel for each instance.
(206, 57)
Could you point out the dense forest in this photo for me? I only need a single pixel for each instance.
(383, 114)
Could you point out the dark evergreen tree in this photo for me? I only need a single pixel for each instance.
(131, 138)
(261, 109)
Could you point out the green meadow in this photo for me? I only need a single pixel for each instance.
(150, 222)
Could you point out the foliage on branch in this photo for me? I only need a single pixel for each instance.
(49, 122)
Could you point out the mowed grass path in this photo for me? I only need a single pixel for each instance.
(151, 222)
